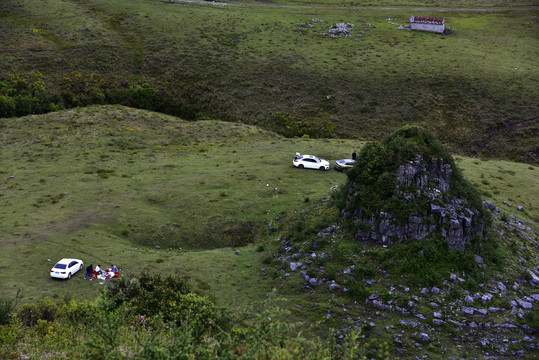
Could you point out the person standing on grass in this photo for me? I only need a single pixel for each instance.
(354, 155)
(89, 271)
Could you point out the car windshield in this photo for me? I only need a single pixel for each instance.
(60, 266)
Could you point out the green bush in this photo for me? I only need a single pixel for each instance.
(364, 272)
(170, 297)
(9, 335)
(7, 106)
(8, 307)
(357, 290)
(45, 309)
(78, 313)
(531, 319)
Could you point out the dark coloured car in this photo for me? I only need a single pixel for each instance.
(344, 164)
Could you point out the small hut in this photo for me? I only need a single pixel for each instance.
(422, 23)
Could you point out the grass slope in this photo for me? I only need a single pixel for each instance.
(107, 184)
(94, 182)
(475, 89)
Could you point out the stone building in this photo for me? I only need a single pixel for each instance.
(431, 24)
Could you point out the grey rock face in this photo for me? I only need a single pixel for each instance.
(420, 181)
(534, 279)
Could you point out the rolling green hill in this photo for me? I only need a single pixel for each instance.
(158, 136)
(271, 66)
(108, 183)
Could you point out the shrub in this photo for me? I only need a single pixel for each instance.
(364, 272)
(78, 313)
(170, 297)
(7, 106)
(8, 307)
(357, 290)
(9, 335)
(45, 309)
(531, 319)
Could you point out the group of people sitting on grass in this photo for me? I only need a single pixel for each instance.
(101, 274)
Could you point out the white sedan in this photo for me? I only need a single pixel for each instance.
(310, 162)
(65, 268)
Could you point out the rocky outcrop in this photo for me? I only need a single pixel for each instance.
(424, 187)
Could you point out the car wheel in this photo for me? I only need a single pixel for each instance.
(69, 276)
(322, 168)
(300, 166)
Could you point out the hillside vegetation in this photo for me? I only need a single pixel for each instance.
(159, 136)
(475, 89)
(107, 184)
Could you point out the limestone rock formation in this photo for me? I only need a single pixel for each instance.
(401, 190)
(430, 180)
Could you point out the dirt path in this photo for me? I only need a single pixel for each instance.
(299, 7)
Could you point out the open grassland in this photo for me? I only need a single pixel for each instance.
(476, 89)
(107, 184)
(100, 180)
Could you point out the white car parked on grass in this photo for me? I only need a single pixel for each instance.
(310, 162)
(65, 268)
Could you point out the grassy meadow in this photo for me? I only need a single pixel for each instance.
(475, 89)
(107, 184)
(100, 180)
(159, 136)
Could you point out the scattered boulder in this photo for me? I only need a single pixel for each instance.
(294, 266)
(424, 337)
(333, 286)
(340, 30)
(485, 299)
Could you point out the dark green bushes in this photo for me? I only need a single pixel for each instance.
(8, 307)
(357, 290)
(29, 94)
(430, 261)
(45, 309)
(151, 295)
